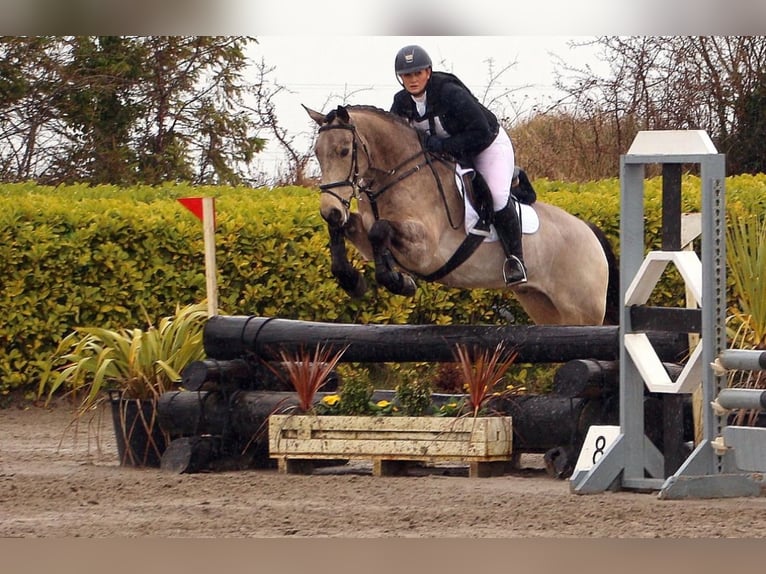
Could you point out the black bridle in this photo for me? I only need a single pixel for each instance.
(358, 184)
(352, 179)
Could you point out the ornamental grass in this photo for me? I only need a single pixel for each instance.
(746, 323)
(308, 371)
(482, 370)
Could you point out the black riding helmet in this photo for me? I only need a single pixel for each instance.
(411, 59)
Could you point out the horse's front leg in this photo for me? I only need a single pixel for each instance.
(348, 277)
(398, 283)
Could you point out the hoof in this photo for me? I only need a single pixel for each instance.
(397, 283)
(359, 289)
(408, 286)
(353, 284)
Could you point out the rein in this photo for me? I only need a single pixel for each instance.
(354, 181)
(466, 248)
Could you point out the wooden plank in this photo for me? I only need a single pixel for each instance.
(391, 442)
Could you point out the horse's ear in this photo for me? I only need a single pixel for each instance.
(343, 114)
(316, 116)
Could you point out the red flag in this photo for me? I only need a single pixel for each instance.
(194, 204)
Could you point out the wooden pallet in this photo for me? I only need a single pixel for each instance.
(391, 443)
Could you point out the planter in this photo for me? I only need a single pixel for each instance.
(485, 443)
(140, 440)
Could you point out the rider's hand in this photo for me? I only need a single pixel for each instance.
(433, 143)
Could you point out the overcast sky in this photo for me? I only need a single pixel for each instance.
(323, 71)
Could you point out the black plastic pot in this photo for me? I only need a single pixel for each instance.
(140, 439)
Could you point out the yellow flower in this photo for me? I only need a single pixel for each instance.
(331, 400)
(383, 403)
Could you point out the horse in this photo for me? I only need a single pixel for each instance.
(410, 220)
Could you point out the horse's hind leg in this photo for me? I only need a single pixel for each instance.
(385, 274)
(348, 277)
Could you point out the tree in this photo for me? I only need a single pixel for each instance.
(747, 153)
(197, 124)
(123, 110)
(675, 82)
(98, 105)
(29, 79)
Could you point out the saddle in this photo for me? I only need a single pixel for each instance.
(478, 202)
(479, 196)
(521, 187)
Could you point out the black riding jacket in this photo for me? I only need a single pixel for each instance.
(470, 125)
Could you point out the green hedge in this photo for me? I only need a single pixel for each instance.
(78, 255)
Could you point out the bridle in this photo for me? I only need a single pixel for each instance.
(359, 185)
(352, 179)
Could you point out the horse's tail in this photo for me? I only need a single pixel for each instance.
(612, 314)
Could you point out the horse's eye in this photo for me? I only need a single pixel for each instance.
(344, 152)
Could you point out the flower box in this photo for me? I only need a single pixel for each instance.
(485, 443)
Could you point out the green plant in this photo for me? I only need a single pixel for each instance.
(746, 324)
(482, 370)
(308, 371)
(414, 397)
(746, 259)
(356, 397)
(328, 405)
(452, 408)
(139, 363)
(143, 363)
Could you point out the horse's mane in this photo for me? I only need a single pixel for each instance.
(375, 111)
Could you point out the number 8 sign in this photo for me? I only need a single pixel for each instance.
(598, 439)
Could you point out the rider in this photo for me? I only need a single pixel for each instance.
(454, 122)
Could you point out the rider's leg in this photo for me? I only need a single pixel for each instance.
(508, 228)
(496, 164)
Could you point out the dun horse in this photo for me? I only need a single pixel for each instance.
(410, 221)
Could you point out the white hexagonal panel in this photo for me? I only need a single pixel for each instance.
(688, 264)
(640, 349)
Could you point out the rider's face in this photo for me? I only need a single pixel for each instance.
(415, 82)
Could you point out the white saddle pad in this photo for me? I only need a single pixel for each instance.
(530, 223)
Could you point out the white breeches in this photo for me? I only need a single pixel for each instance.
(496, 164)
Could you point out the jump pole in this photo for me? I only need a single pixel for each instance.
(627, 460)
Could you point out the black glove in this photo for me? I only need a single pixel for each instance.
(433, 143)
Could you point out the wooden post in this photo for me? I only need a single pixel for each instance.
(208, 226)
(204, 209)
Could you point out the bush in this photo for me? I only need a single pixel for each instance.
(79, 255)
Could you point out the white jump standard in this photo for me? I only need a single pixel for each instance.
(631, 461)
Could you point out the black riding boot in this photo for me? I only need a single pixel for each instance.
(508, 227)
(482, 202)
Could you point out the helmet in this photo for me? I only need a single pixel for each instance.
(411, 59)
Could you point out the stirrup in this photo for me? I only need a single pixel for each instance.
(517, 274)
(482, 227)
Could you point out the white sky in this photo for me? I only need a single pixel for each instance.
(318, 71)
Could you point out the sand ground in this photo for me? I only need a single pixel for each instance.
(51, 487)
